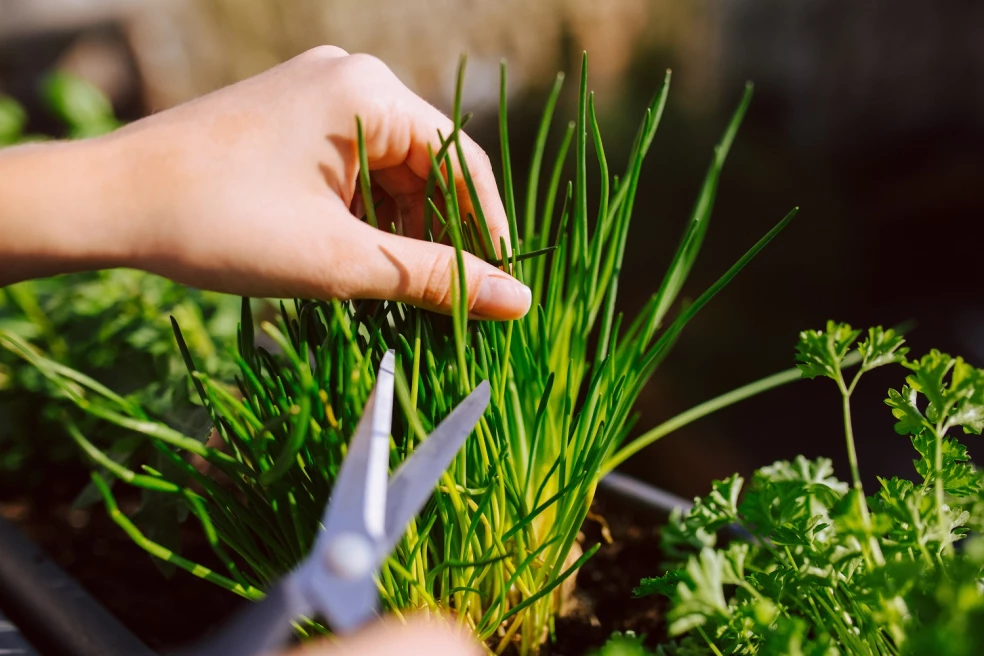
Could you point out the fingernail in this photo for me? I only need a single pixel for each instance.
(501, 298)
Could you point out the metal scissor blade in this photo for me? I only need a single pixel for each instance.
(336, 579)
(414, 481)
(358, 499)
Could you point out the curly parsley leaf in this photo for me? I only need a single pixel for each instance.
(904, 408)
(785, 497)
(822, 352)
(665, 585)
(881, 347)
(790, 636)
(680, 538)
(697, 528)
(929, 374)
(960, 478)
(720, 507)
(700, 595)
(958, 401)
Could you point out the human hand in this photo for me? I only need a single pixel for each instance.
(389, 637)
(249, 190)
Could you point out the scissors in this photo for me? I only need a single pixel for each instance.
(362, 524)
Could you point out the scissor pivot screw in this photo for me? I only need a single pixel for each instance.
(350, 556)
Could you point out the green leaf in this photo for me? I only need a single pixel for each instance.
(960, 478)
(700, 597)
(829, 572)
(719, 508)
(665, 585)
(965, 398)
(903, 405)
(817, 474)
(80, 104)
(678, 539)
(927, 379)
(791, 501)
(957, 402)
(12, 120)
(881, 347)
(821, 353)
(159, 517)
(623, 644)
(791, 636)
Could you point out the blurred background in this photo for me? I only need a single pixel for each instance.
(869, 116)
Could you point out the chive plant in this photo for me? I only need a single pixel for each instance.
(501, 532)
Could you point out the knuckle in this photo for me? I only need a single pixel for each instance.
(370, 65)
(321, 54)
(478, 160)
(437, 283)
(474, 268)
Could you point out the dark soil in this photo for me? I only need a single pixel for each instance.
(170, 612)
(164, 612)
(603, 600)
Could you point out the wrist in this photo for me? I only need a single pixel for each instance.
(64, 207)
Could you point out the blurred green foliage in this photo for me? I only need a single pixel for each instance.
(112, 325)
(82, 107)
(623, 644)
(115, 326)
(12, 121)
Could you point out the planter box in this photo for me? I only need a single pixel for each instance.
(51, 610)
(50, 614)
(11, 640)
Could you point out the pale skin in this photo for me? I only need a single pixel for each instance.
(251, 190)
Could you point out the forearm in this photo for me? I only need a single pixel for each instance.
(64, 207)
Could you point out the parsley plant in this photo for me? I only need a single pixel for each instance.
(828, 571)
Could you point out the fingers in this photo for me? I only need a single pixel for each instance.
(418, 636)
(404, 131)
(421, 273)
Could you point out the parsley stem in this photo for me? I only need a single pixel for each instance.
(713, 647)
(938, 465)
(852, 457)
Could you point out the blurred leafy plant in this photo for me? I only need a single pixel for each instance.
(13, 118)
(112, 325)
(80, 106)
(623, 644)
(85, 110)
(828, 571)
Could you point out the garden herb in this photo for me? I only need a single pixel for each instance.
(828, 571)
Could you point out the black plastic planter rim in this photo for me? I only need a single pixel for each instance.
(57, 617)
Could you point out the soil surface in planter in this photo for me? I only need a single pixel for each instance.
(168, 612)
(603, 600)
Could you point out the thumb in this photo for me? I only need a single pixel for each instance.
(421, 273)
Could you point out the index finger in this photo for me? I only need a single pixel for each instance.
(408, 129)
